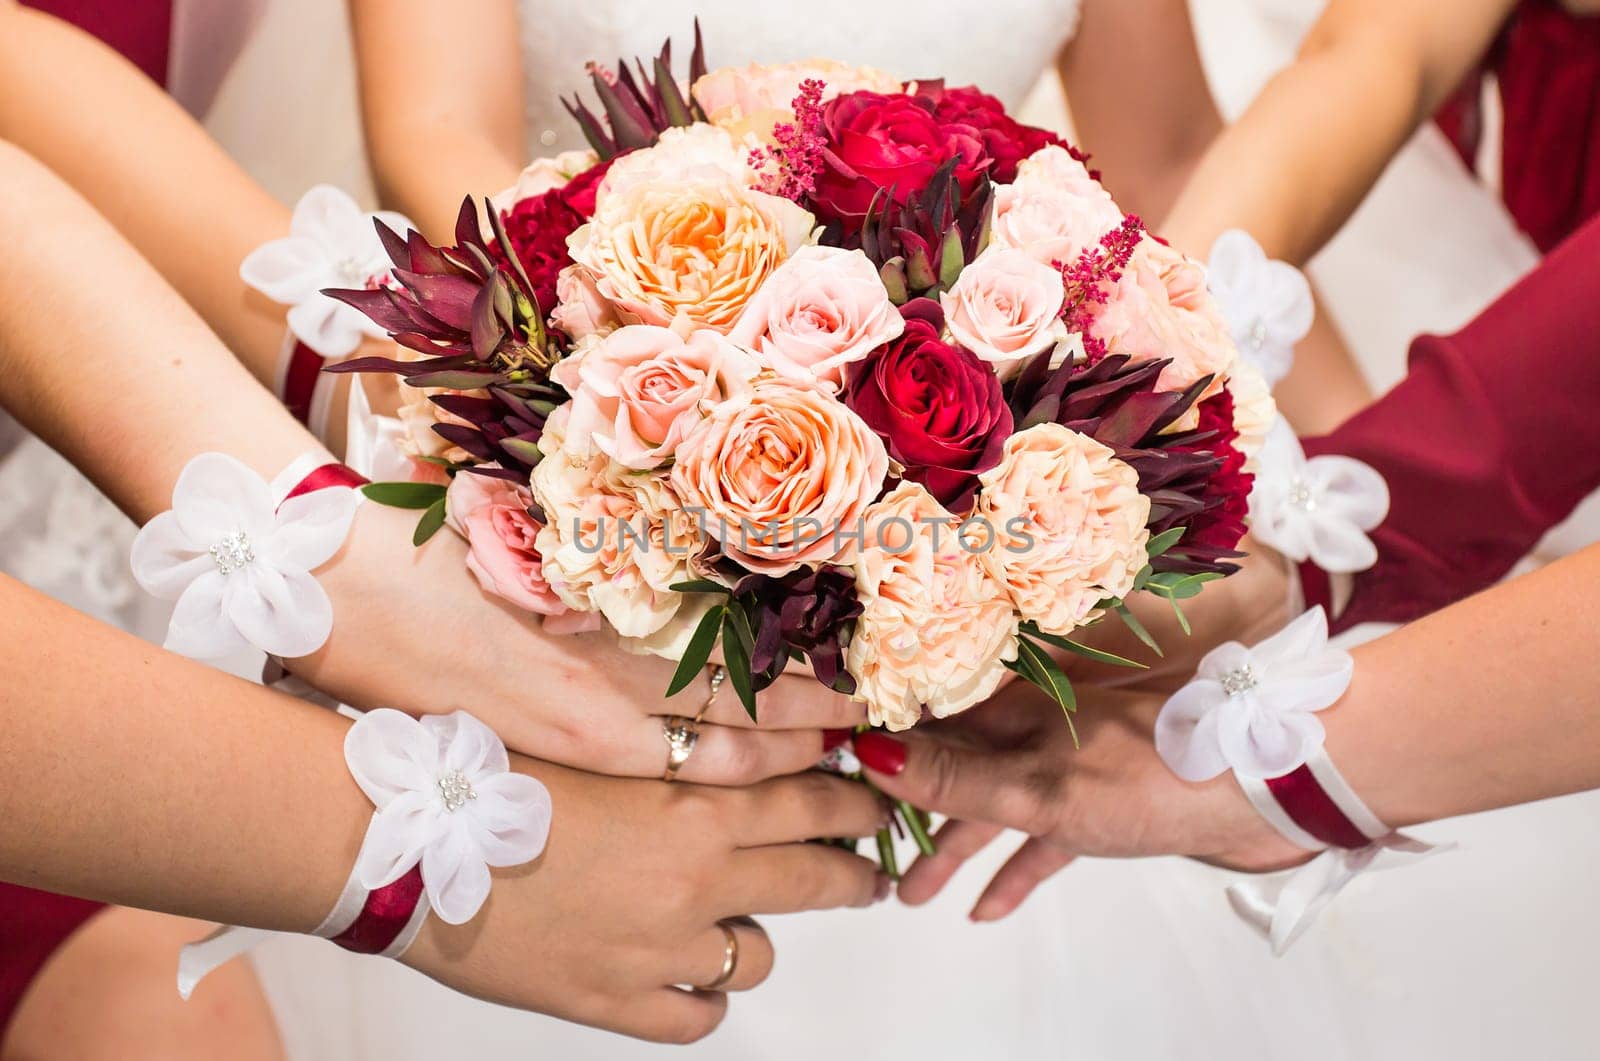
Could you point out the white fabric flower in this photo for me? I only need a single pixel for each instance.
(1252, 710)
(240, 566)
(1318, 509)
(331, 243)
(446, 797)
(1267, 303)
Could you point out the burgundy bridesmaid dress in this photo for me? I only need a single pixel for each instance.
(1492, 438)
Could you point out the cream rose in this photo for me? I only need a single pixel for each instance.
(615, 542)
(690, 252)
(1006, 307)
(1054, 210)
(637, 392)
(1161, 309)
(1253, 409)
(686, 154)
(1068, 523)
(936, 629)
(821, 310)
(782, 476)
(750, 100)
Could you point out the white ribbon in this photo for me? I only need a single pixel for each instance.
(1281, 906)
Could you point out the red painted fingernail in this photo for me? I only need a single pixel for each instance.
(832, 738)
(878, 752)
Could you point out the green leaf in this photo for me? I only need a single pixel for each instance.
(1055, 682)
(698, 585)
(1137, 628)
(951, 259)
(405, 495)
(432, 519)
(737, 642)
(1165, 540)
(1085, 651)
(1183, 620)
(694, 658)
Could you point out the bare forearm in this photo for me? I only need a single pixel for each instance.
(107, 363)
(438, 130)
(136, 777)
(1489, 703)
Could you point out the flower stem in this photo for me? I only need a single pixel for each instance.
(886, 857)
(917, 826)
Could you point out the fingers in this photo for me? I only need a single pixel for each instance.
(794, 701)
(1034, 863)
(790, 878)
(725, 755)
(670, 1015)
(807, 806)
(988, 786)
(956, 842)
(706, 958)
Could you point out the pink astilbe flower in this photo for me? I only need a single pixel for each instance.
(1089, 280)
(602, 71)
(793, 161)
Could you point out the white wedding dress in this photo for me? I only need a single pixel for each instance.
(1484, 953)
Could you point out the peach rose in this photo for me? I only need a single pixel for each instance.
(1068, 523)
(545, 174)
(936, 629)
(1161, 309)
(581, 311)
(492, 514)
(637, 392)
(750, 100)
(819, 311)
(781, 475)
(1006, 307)
(616, 541)
(1054, 210)
(686, 154)
(698, 251)
(1253, 409)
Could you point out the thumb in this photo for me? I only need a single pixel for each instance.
(982, 786)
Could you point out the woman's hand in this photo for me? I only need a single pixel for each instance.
(1011, 764)
(622, 909)
(413, 630)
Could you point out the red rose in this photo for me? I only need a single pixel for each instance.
(1006, 140)
(937, 407)
(895, 142)
(1220, 524)
(538, 228)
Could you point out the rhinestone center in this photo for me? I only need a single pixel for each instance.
(1301, 495)
(1258, 335)
(1239, 680)
(455, 790)
(233, 552)
(352, 272)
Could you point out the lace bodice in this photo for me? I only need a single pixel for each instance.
(1002, 46)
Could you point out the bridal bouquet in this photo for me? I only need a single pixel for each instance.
(815, 364)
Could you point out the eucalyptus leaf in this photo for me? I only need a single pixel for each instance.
(1083, 650)
(405, 495)
(1134, 626)
(736, 643)
(1164, 541)
(432, 519)
(698, 651)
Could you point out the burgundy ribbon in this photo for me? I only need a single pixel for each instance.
(300, 381)
(326, 476)
(384, 916)
(1303, 799)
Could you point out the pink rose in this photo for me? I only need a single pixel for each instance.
(783, 475)
(581, 311)
(1161, 309)
(936, 629)
(752, 99)
(492, 514)
(819, 311)
(1068, 522)
(1006, 307)
(640, 390)
(1054, 210)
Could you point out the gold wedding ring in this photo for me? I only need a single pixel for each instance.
(681, 734)
(730, 959)
(719, 674)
